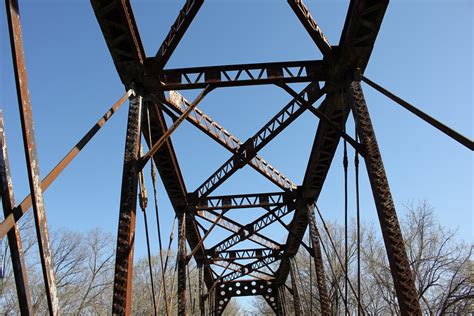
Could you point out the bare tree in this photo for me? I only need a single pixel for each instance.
(441, 264)
(83, 263)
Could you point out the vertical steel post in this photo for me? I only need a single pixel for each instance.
(294, 287)
(122, 295)
(399, 266)
(318, 262)
(26, 118)
(182, 264)
(14, 239)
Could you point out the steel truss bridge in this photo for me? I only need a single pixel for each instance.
(152, 91)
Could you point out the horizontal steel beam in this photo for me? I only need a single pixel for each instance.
(226, 202)
(242, 254)
(237, 75)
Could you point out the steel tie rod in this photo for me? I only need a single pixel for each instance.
(24, 206)
(463, 140)
(173, 127)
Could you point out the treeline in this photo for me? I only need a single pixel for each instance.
(441, 263)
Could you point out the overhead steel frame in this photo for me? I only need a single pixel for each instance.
(148, 78)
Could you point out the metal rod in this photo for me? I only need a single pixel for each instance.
(143, 201)
(345, 163)
(173, 127)
(26, 118)
(24, 206)
(356, 168)
(14, 238)
(157, 213)
(425, 117)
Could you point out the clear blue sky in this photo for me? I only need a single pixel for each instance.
(423, 53)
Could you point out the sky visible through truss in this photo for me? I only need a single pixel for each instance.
(423, 53)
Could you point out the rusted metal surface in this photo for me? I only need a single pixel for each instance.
(24, 206)
(360, 30)
(226, 290)
(222, 136)
(269, 131)
(154, 148)
(14, 238)
(239, 75)
(238, 229)
(122, 293)
(253, 227)
(227, 202)
(294, 287)
(324, 301)
(26, 118)
(399, 266)
(232, 255)
(311, 26)
(179, 27)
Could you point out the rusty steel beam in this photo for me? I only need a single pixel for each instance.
(14, 238)
(154, 148)
(361, 27)
(254, 227)
(236, 75)
(25, 205)
(214, 130)
(122, 292)
(311, 26)
(120, 32)
(26, 118)
(269, 131)
(324, 301)
(179, 27)
(322, 153)
(294, 287)
(241, 254)
(240, 201)
(407, 296)
(237, 228)
(239, 288)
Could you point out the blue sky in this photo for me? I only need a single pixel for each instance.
(423, 53)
